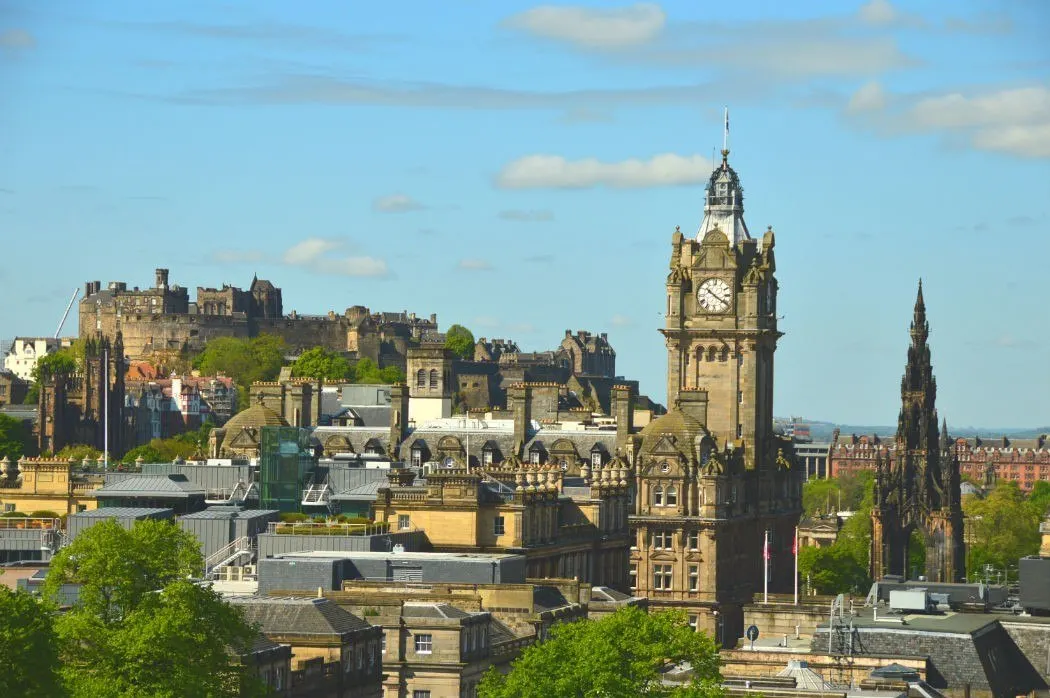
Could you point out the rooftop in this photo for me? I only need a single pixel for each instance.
(121, 513)
(299, 616)
(374, 555)
(171, 486)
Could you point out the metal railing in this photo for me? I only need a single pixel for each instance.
(240, 550)
(29, 523)
(312, 528)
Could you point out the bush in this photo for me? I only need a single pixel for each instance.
(293, 517)
(14, 515)
(45, 514)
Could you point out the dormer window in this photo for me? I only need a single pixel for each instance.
(596, 459)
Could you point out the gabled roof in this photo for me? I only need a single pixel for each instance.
(170, 486)
(432, 610)
(298, 616)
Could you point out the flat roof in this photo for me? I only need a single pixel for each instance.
(120, 513)
(946, 622)
(226, 513)
(373, 555)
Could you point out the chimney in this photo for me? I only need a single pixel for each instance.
(162, 279)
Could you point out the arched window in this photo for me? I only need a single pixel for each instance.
(658, 496)
(724, 354)
(672, 496)
(421, 378)
(433, 378)
(711, 354)
(699, 353)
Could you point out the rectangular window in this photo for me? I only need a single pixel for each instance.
(9, 508)
(632, 577)
(694, 540)
(417, 457)
(662, 577)
(424, 643)
(421, 693)
(740, 396)
(694, 577)
(663, 540)
(692, 622)
(739, 431)
(383, 643)
(404, 522)
(499, 526)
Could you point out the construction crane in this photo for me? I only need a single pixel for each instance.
(65, 315)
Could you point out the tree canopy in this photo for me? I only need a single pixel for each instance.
(460, 340)
(319, 363)
(619, 656)
(14, 438)
(58, 362)
(139, 626)
(28, 645)
(244, 360)
(368, 371)
(1004, 526)
(843, 493)
(843, 566)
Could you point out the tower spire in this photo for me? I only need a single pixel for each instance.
(919, 327)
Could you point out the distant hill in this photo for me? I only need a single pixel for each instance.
(822, 431)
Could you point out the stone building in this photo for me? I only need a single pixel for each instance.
(20, 359)
(161, 320)
(983, 461)
(565, 528)
(919, 489)
(73, 408)
(47, 484)
(715, 487)
(13, 390)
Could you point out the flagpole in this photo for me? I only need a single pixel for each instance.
(765, 567)
(796, 565)
(105, 408)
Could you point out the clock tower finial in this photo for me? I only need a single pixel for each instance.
(725, 142)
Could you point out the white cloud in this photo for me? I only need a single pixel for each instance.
(309, 250)
(1015, 121)
(523, 216)
(396, 203)
(593, 28)
(474, 265)
(883, 13)
(317, 255)
(238, 256)
(554, 171)
(14, 40)
(621, 321)
(1027, 105)
(870, 97)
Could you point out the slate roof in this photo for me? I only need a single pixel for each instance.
(366, 492)
(607, 594)
(500, 633)
(548, 598)
(121, 513)
(432, 610)
(298, 616)
(169, 486)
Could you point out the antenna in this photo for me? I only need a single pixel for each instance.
(725, 134)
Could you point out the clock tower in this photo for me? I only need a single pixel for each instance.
(721, 326)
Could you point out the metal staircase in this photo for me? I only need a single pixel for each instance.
(239, 553)
(317, 493)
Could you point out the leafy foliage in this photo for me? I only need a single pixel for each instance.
(245, 360)
(139, 626)
(78, 453)
(844, 493)
(1004, 526)
(619, 656)
(15, 439)
(191, 444)
(832, 570)
(32, 395)
(28, 645)
(61, 362)
(368, 371)
(461, 341)
(843, 566)
(321, 363)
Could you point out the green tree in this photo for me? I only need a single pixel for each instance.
(856, 489)
(140, 627)
(460, 340)
(1039, 497)
(166, 450)
(820, 496)
(321, 363)
(368, 371)
(619, 656)
(28, 645)
(14, 438)
(245, 360)
(32, 395)
(61, 362)
(78, 452)
(832, 570)
(1004, 526)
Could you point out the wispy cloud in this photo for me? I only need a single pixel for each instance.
(556, 172)
(523, 216)
(590, 27)
(328, 256)
(14, 41)
(396, 203)
(1015, 121)
(238, 256)
(540, 259)
(283, 34)
(474, 265)
(621, 321)
(883, 13)
(869, 97)
(988, 23)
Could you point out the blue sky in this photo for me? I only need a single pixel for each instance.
(520, 168)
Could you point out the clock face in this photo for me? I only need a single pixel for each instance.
(714, 296)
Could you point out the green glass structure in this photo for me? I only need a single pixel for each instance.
(285, 463)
